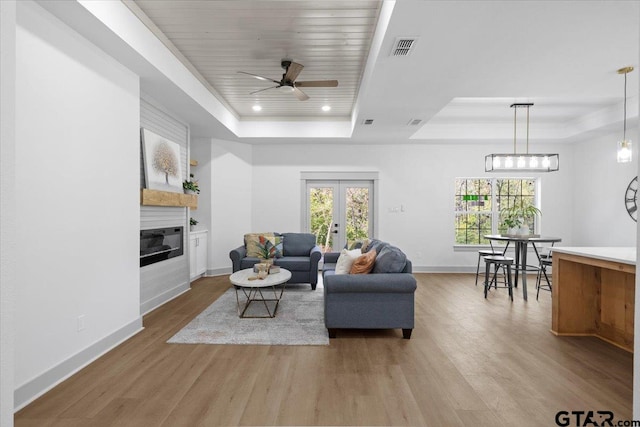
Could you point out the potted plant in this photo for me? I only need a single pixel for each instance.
(511, 221)
(517, 217)
(190, 186)
(528, 213)
(192, 223)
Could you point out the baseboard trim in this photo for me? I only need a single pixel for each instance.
(44, 382)
(155, 302)
(218, 271)
(443, 269)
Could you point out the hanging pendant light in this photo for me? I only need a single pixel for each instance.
(625, 151)
(521, 162)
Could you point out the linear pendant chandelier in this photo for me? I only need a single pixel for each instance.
(525, 162)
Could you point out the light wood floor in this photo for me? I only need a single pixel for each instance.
(470, 362)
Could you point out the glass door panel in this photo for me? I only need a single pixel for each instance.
(356, 214)
(339, 212)
(321, 214)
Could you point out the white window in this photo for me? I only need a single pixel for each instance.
(478, 202)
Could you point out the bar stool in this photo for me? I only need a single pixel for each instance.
(498, 261)
(545, 263)
(481, 254)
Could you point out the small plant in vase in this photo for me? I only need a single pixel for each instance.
(192, 223)
(190, 186)
(516, 219)
(511, 222)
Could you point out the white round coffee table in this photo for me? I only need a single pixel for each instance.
(252, 290)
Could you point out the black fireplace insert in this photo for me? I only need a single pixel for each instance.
(160, 244)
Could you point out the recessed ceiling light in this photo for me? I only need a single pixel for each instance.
(257, 108)
(326, 108)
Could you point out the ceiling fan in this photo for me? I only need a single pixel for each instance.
(288, 81)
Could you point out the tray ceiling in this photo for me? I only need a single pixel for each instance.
(216, 39)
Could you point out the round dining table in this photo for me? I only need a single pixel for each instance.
(521, 244)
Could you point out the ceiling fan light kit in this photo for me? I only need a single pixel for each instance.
(524, 162)
(288, 82)
(625, 150)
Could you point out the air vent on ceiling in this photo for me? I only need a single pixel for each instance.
(403, 46)
(414, 122)
(367, 122)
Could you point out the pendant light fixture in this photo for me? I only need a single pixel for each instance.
(624, 146)
(521, 162)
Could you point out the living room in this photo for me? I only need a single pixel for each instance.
(81, 73)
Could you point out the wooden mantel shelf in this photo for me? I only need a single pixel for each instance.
(166, 198)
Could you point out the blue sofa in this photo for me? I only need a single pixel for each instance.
(377, 300)
(301, 257)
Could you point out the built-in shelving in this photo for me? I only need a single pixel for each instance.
(166, 198)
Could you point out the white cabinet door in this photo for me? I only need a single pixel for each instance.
(197, 254)
(193, 249)
(201, 254)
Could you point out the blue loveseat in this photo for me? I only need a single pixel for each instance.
(300, 255)
(383, 299)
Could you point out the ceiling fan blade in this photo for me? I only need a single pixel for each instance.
(267, 79)
(292, 71)
(318, 83)
(300, 94)
(272, 87)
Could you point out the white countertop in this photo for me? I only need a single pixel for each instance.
(625, 255)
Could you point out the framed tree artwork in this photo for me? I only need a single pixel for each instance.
(162, 169)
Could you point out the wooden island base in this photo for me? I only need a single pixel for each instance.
(593, 296)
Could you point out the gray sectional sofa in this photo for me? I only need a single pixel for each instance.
(301, 256)
(383, 299)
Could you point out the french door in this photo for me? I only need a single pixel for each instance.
(339, 212)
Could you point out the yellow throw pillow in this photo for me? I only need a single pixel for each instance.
(364, 263)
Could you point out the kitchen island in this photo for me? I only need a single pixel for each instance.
(594, 293)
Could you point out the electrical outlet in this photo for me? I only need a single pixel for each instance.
(81, 324)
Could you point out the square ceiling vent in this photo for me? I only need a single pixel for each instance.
(403, 46)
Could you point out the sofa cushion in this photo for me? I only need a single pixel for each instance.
(364, 263)
(298, 244)
(390, 260)
(249, 262)
(346, 260)
(294, 263)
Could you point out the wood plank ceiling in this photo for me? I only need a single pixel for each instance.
(219, 38)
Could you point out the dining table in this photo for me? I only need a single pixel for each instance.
(521, 244)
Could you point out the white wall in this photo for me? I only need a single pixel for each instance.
(200, 150)
(599, 184)
(77, 121)
(419, 177)
(231, 201)
(8, 260)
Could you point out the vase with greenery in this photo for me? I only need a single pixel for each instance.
(517, 218)
(192, 223)
(190, 186)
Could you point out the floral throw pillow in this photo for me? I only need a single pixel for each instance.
(263, 245)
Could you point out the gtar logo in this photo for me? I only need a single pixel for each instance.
(584, 418)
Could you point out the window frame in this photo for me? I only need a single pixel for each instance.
(494, 212)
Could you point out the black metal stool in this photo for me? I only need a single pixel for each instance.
(497, 261)
(545, 263)
(481, 254)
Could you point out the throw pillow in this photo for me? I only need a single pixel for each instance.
(262, 245)
(390, 260)
(374, 244)
(364, 263)
(346, 260)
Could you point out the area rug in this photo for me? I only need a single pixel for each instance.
(299, 321)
